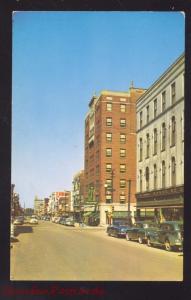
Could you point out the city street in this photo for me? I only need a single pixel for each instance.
(50, 251)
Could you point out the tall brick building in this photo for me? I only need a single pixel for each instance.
(110, 153)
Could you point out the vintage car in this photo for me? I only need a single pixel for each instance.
(139, 231)
(169, 235)
(117, 230)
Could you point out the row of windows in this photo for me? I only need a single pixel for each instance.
(109, 137)
(155, 139)
(156, 175)
(108, 152)
(122, 199)
(122, 168)
(109, 122)
(155, 105)
(109, 107)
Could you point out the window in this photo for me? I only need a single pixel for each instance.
(147, 178)
(122, 108)
(108, 168)
(141, 149)
(141, 119)
(122, 152)
(163, 136)
(148, 114)
(108, 199)
(155, 108)
(155, 142)
(122, 123)
(141, 180)
(109, 121)
(155, 177)
(173, 171)
(109, 106)
(163, 101)
(122, 138)
(163, 174)
(148, 146)
(122, 183)
(122, 198)
(173, 93)
(122, 168)
(182, 126)
(109, 137)
(173, 131)
(108, 183)
(108, 152)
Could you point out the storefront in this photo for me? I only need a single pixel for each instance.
(162, 205)
(121, 217)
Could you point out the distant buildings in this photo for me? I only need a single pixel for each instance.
(59, 203)
(160, 146)
(110, 154)
(78, 194)
(16, 209)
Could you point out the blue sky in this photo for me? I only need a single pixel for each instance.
(60, 59)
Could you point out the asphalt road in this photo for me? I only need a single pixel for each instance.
(51, 251)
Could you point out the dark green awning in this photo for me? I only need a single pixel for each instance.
(120, 214)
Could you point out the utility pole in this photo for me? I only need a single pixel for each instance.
(112, 190)
(129, 195)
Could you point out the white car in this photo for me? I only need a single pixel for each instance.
(33, 221)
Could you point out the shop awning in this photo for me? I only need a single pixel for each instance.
(178, 202)
(120, 214)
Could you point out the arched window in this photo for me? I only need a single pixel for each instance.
(163, 136)
(155, 177)
(173, 131)
(163, 174)
(148, 146)
(141, 149)
(141, 180)
(173, 171)
(147, 178)
(155, 142)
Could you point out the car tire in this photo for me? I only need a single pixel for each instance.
(127, 237)
(167, 245)
(149, 244)
(140, 240)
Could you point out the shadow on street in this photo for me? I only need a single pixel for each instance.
(23, 229)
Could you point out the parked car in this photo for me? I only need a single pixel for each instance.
(69, 222)
(19, 221)
(62, 220)
(33, 221)
(47, 218)
(140, 230)
(117, 230)
(169, 235)
(12, 230)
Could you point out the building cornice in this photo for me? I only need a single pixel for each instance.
(166, 74)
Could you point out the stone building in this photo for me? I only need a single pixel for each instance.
(160, 146)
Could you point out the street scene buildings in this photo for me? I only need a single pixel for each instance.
(120, 215)
(133, 157)
(160, 146)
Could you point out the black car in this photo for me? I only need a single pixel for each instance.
(117, 230)
(62, 220)
(169, 235)
(140, 230)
